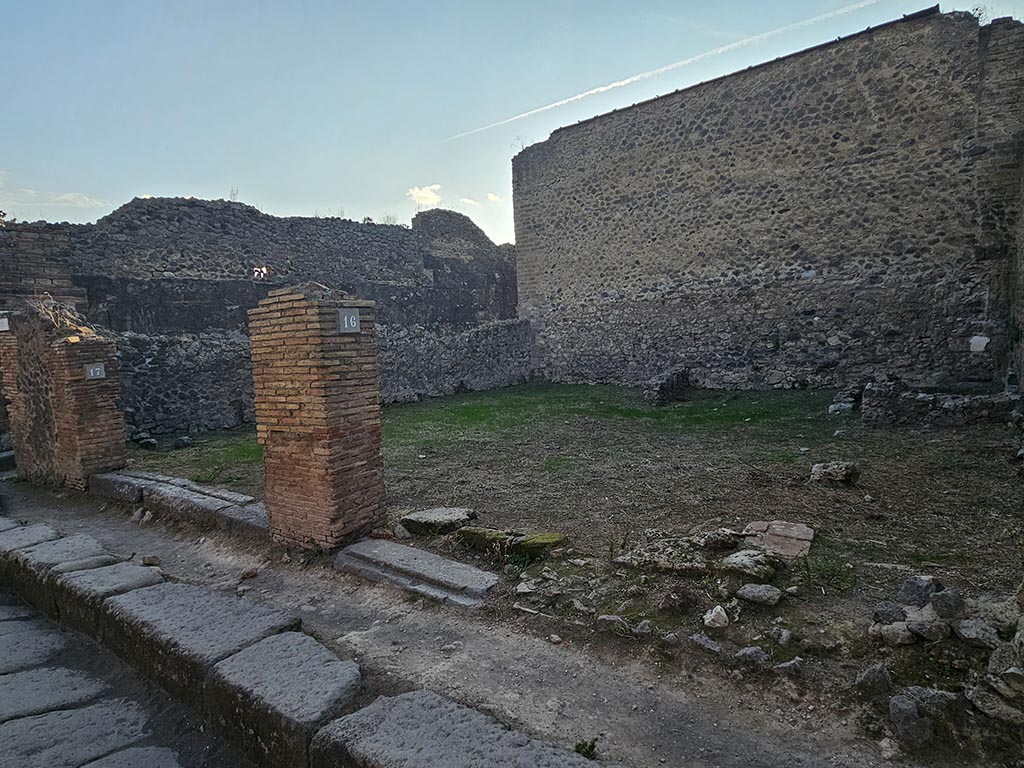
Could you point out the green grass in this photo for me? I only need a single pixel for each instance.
(434, 422)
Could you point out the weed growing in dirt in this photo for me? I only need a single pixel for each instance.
(586, 748)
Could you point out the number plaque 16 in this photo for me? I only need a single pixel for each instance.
(348, 320)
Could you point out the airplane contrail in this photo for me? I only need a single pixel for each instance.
(675, 65)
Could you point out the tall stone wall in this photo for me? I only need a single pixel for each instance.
(175, 277)
(1017, 320)
(845, 211)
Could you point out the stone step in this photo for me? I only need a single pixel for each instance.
(417, 571)
(7, 462)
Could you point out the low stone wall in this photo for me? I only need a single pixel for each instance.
(891, 403)
(194, 382)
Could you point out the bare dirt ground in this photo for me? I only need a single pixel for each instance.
(597, 465)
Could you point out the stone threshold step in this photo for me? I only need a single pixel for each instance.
(417, 571)
(181, 499)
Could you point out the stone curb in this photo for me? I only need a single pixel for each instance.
(275, 692)
(181, 499)
(218, 652)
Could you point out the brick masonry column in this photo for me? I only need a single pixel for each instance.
(317, 392)
(62, 385)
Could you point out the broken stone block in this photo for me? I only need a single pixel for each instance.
(438, 521)
(615, 624)
(752, 563)
(489, 540)
(787, 540)
(760, 594)
(976, 632)
(716, 618)
(897, 634)
(888, 612)
(947, 603)
(912, 729)
(706, 643)
(793, 668)
(753, 657)
(917, 590)
(835, 472)
(874, 679)
(995, 706)
(536, 545)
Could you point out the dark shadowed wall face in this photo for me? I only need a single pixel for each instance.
(842, 212)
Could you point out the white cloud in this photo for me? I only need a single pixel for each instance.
(493, 197)
(425, 196)
(76, 200)
(468, 201)
(33, 198)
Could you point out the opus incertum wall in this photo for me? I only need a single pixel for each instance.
(844, 211)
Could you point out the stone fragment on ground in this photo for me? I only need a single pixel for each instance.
(897, 634)
(874, 680)
(753, 657)
(917, 590)
(704, 642)
(760, 594)
(716, 618)
(437, 521)
(751, 563)
(614, 624)
(947, 603)
(793, 668)
(835, 472)
(780, 537)
(976, 632)
(912, 729)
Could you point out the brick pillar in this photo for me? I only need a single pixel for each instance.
(66, 422)
(317, 393)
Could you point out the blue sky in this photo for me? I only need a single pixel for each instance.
(313, 106)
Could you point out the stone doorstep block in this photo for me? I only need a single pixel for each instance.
(246, 520)
(422, 729)
(35, 691)
(138, 757)
(116, 486)
(437, 521)
(30, 569)
(421, 566)
(20, 537)
(175, 633)
(79, 596)
(272, 697)
(181, 482)
(70, 738)
(371, 572)
(182, 504)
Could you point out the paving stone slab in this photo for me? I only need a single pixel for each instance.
(176, 632)
(6, 524)
(71, 737)
(7, 461)
(96, 561)
(36, 691)
(78, 596)
(116, 486)
(273, 696)
(425, 730)
(32, 645)
(409, 567)
(16, 613)
(781, 537)
(138, 757)
(24, 536)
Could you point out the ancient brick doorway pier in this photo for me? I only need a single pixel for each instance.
(61, 381)
(314, 355)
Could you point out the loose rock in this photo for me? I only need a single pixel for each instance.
(912, 730)
(976, 632)
(752, 563)
(716, 618)
(948, 603)
(703, 641)
(874, 679)
(753, 657)
(897, 634)
(794, 667)
(835, 472)
(917, 590)
(760, 594)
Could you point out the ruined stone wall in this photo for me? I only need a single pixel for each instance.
(1017, 320)
(174, 278)
(838, 213)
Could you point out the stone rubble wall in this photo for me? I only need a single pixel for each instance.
(1017, 319)
(174, 279)
(893, 404)
(840, 213)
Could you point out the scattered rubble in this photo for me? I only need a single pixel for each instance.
(780, 537)
(760, 594)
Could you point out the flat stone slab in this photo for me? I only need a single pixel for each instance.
(7, 461)
(79, 595)
(71, 737)
(416, 570)
(35, 691)
(68, 549)
(138, 757)
(424, 730)
(780, 537)
(273, 696)
(441, 520)
(6, 524)
(249, 519)
(177, 632)
(182, 503)
(181, 482)
(32, 645)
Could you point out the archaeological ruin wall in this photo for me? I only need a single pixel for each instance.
(839, 213)
(175, 277)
